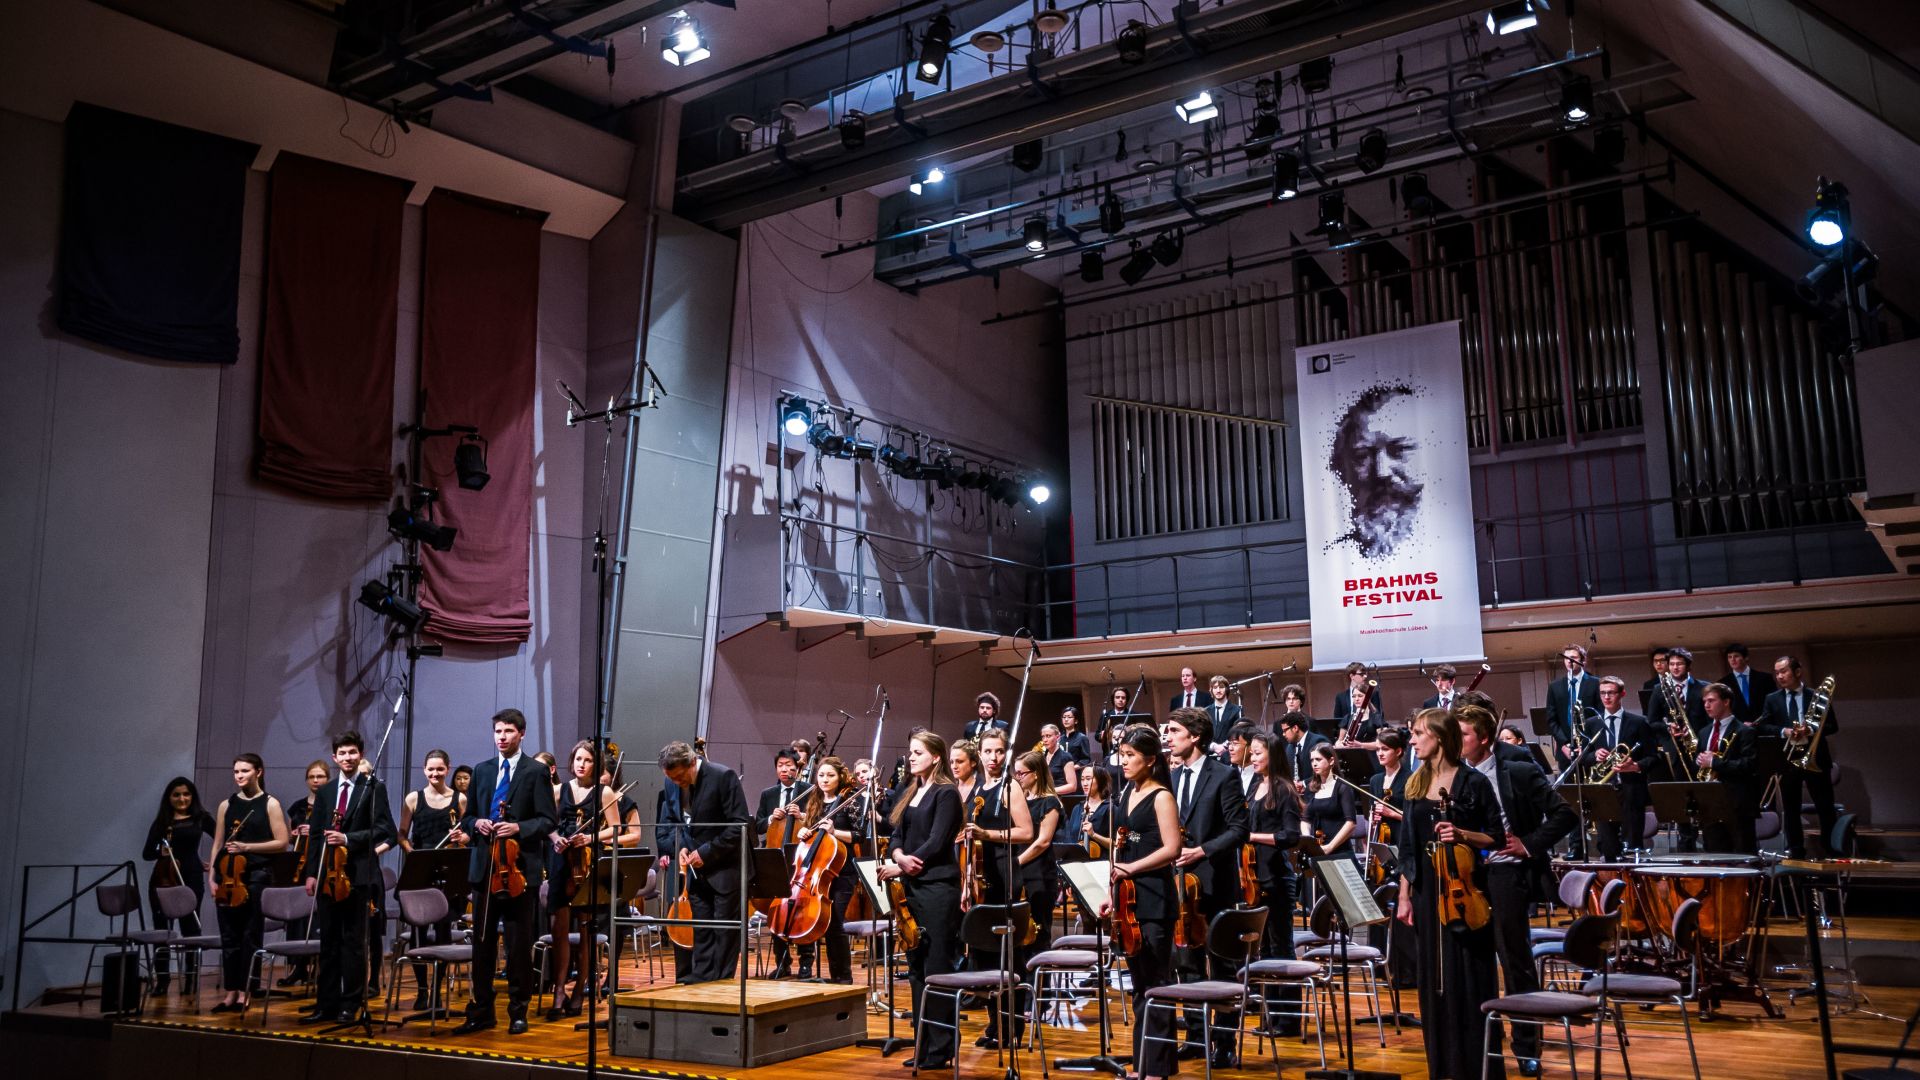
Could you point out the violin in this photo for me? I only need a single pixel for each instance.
(969, 859)
(506, 875)
(1126, 922)
(230, 870)
(1462, 904)
(802, 917)
(1190, 929)
(335, 884)
(578, 859)
(166, 873)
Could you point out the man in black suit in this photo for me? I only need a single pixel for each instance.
(1750, 688)
(1214, 826)
(1190, 695)
(1520, 873)
(986, 708)
(510, 798)
(1360, 688)
(1786, 709)
(713, 806)
(1687, 688)
(1612, 732)
(1298, 746)
(354, 811)
(1727, 747)
(1443, 677)
(1221, 713)
(1570, 699)
(786, 790)
(1658, 657)
(668, 837)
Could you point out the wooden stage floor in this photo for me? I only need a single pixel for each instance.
(1738, 1041)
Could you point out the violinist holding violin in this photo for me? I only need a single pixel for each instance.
(926, 820)
(350, 815)
(1451, 817)
(429, 821)
(248, 827)
(509, 815)
(1152, 823)
(1213, 817)
(572, 860)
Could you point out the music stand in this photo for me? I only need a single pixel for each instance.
(1355, 764)
(868, 871)
(1542, 721)
(1699, 804)
(1354, 908)
(632, 866)
(1088, 881)
(1594, 803)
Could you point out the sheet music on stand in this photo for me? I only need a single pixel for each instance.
(869, 870)
(1090, 880)
(1349, 891)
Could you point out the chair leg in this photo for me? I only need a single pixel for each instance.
(1620, 1031)
(1573, 1054)
(1686, 1025)
(1486, 1037)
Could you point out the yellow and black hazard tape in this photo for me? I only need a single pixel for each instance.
(604, 1065)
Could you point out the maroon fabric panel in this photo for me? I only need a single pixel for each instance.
(480, 299)
(327, 348)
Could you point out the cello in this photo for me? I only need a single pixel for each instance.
(802, 917)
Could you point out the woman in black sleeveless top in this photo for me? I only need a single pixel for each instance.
(429, 820)
(926, 821)
(249, 823)
(1039, 868)
(173, 847)
(835, 804)
(1153, 842)
(574, 832)
(1273, 811)
(1002, 826)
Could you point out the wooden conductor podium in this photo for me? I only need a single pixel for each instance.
(703, 1022)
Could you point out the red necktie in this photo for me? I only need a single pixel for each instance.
(340, 809)
(1714, 747)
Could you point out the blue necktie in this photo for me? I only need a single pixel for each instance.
(500, 789)
(1743, 686)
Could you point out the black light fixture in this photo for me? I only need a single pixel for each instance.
(683, 44)
(1576, 99)
(1113, 216)
(1828, 276)
(382, 600)
(974, 479)
(900, 461)
(1138, 265)
(942, 471)
(1512, 18)
(1034, 233)
(1372, 152)
(470, 462)
(1266, 112)
(1131, 42)
(853, 130)
(796, 416)
(1316, 76)
(414, 524)
(1167, 247)
(1415, 194)
(1286, 175)
(935, 45)
(827, 441)
(1830, 219)
(1029, 155)
(1333, 213)
(1093, 267)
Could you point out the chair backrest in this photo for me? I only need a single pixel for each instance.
(1686, 925)
(651, 889)
(1767, 825)
(115, 901)
(1589, 939)
(985, 924)
(1320, 920)
(422, 907)
(1387, 896)
(1574, 885)
(1234, 935)
(176, 901)
(288, 903)
(1611, 895)
(1843, 841)
(389, 877)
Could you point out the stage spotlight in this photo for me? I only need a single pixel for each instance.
(942, 472)
(1138, 265)
(1093, 267)
(974, 480)
(382, 600)
(407, 524)
(935, 44)
(1826, 279)
(1132, 42)
(900, 461)
(684, 44)
(1113, 216)
(1286, 175)
(1006, 489)
(1034, 233)
(470, 462)
(1029, 155)
(1197, 109)
(827, 441)
(933, 176)
(859, 449)
(1576, 99)
(1512, 18)
(1038, 492)
(1415, 195)
(1333, 213)
(853, 130)
(1372, 152)
(1827, 222)
(1316, 76)
(795, 415)
(1610, 144)
(1167, 246)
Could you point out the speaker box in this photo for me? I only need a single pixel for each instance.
(120, 983)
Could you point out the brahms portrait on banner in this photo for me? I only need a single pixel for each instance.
(1375, 458)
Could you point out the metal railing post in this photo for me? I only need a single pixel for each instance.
(1175, 559)
(1246, 567)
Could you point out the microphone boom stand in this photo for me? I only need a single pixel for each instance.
(891, 1041)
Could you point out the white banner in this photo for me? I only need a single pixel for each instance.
(1389, 500)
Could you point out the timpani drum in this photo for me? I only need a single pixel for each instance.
(1729, 901)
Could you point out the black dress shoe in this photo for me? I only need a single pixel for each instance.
(783, 973)
(1191, 1052)
(517, 1026)
(346, 1016)
(290, 980)
(1224, 1059)
(1529, 1066)
(316, 1016)
(987, 1042)
(473, 1024)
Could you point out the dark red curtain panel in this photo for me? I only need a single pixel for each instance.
(327, 349)
(150, 236)
(479, 308)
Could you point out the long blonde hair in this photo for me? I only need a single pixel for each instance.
(937, 746)
(1441, 723)
(1036, 763)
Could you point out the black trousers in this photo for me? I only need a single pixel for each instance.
(241, 929)
(936, 907)
(1510, 899)
(716, 951)
(808, 955)
(515, 918)
(1819, 786)
(839, 949)
(1196, 964)
(1629, 833)
(1276, 943)
(343, 950)
(1152, 966)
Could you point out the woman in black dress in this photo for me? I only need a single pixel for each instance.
(1456, 964)
(319, 771)
(173, 847)
(1092, 818)
(1063, 772)
(1330, 807)
(248, 824)
(1153, 842)
(926, 821)
(835, 804)
(574, 832)
(429, 820)
(1039, 868)
(999, 819)
(1074, 737)
(1273, 812)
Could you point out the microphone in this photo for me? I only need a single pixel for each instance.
(574, 406)
(845, 713)
(399, 701)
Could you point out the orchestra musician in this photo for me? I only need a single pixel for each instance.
(1456, 964)
(1658, 658)
(575, 829)
(249, 822)
(1002, 820)
(1784, 716)
(1240, 755)
(1117, 716)
(1273, 822)
(1074, 736)
(1039, 867)
(1063, 772)
(926, 822)
(783, 799)
(669, 838)
(1609, 733)
(1679, 672)
(511, 799)
(173, 846)
(1093, 816)
(1221, 713)
(348, 812)
(1341, 727)
(1534, 818)
(1727, 747)
(1213, 823)
(986, 707)
(430, 819)
(1299, 746)
(1190, 695)
(1570, 699)
(1293, 698)
(1330, 809)
(1153, 844)
(835, 788)
(1443, 676)
(1750, 688)
(714, 806)
(1389, 785)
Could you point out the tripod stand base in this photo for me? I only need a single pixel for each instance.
(1113, 1066)
(363, 1022)
(886, 1046)
(1350, 1074)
